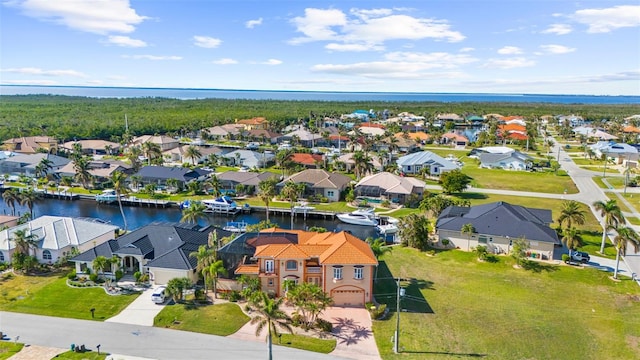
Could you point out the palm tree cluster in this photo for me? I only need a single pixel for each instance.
(24, 197)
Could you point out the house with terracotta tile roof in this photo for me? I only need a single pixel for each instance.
(264, 136)
(340, 263)
(455, 140)
(165, 142)
(31, 144)
(254, 123)
(320, 182)
(309, 161)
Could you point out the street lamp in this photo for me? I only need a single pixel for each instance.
(396, 337)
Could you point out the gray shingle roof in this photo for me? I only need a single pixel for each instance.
(501, 219)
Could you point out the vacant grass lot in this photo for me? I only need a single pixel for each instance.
(50, 295)
(458, 307)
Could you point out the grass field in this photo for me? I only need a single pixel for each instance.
(458, 307)
(50, 295)
(8, 349)
(89, 355)
(220, 319)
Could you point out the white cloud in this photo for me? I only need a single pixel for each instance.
(253, 23)
(558, 29)
(94, 16)
(272, 62)
(353, 47)
(31, 82)
(126, 41)
(206, 42)
(556, 49)
(467, 49)
(152, 57)
(609, 19)
(510, 50)
(225, 61)
(511, 63)
(38, 71)
(403, 65)
(368, 28)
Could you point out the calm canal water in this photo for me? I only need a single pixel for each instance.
(141, 216)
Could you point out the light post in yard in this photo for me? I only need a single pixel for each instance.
(396, 336)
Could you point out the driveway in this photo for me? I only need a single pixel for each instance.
(141, 311)
(352, 328)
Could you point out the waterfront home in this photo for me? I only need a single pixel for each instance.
(264, 136)
(101, 170)
(56, 237)
(303, 137)
(93, 147)
(319, 182)
(415, 162)
(223, 132)
(593, 133)
(31, 144)
(25, 164)
(158, 175)
(309, 161)
(164, 142)
(256, 123)
(249, 158)
(455, 140)
(7, 221)
(388, 186)
(496, 226)
(620, 153)
(229, 180)
(340, 263)
(178, 155)
(347, 159)
(449, 117)
(370, 130)
(161, 250)
(512, 160)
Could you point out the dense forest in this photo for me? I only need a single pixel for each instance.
(69, 117)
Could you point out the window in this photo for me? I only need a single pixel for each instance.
(482, 239)
(337, 272)
(268, 266)
(271, 283)
(1, 257)
(46, 255)
(292, 265)
(357, 272)
(330, 193)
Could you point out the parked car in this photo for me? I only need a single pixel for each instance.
(159, 295)
(580, 256)
(253, 146)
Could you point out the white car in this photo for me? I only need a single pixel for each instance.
(159, 295)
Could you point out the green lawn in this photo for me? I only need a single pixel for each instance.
(306, 343)
(463, 308)
(9, 348)
(50, 295)
(221, 319)
(89, 355)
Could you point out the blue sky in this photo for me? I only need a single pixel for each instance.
(475, 46)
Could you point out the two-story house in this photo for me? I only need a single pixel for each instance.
(340, 263)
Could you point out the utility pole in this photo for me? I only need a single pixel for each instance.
(604, 171)
(396, 337)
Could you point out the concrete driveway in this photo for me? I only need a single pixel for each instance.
(352, 328)
(141, 311)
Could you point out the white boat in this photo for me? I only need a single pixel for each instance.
(236, 226)
(359, 217)
(221, 204)
(387, 229)
(303, 208)
(107, 196)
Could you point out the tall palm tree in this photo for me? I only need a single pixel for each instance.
(571, 239)
(214, 270)
(24, 241)
(118, 179)
(624, 236)
(266, 192)
(151, 151)
(468, 229)
(194, 212)
(193, 153)
(213, 184)
(133, 155)
(291, 191)
(270, 315)
(27, 198)
(362, 164)
(283, 159)
(100, 263)
(204, 256)
(81, 167)
(571, 212)
(611, 215)
(10, 197)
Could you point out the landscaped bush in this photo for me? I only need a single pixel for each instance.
(93, 277)
(377, 312)
(324, 325)
(234, 296)
(566, 258)
(297, 320)
(137, 275)
(4, 266)
(72, 275)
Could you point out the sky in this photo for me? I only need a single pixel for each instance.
(589, 47)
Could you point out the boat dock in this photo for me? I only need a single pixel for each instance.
(299, 213)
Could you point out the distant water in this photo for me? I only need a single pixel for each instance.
(187, 94)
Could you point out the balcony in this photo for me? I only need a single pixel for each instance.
(314, 270)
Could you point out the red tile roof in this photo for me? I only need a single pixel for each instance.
(306, 159)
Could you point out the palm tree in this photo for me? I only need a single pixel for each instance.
(133, 155)
(118, 180)
(24, 241)
(379, 247)
(625, 235)
(100, 263)
(10, 197)
(269, 315)
(27, 198)
(214, 185)
(571, 212)
(81, 167)
(362, 164)
(193, 153)
(151, 151)
(214, 269)
(611, 216)
(571, 239)
(469, 230)
(283, 159)
(266, 192)
(43, 167)
(194, 212)
(291, 191)
(204, 256)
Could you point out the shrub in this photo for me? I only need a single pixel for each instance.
(93, 277)
(71, 275)
(377, 312)
(119, 274)
(234, 296)
(385, 203)
(566, 258)
(445, 242)
(144, 278)
(137, 275)
(297, 320)
(324, 325)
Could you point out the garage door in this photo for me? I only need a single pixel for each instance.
(348, 297)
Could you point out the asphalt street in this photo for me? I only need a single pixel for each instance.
(140, 341)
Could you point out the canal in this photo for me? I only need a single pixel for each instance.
(141, 216)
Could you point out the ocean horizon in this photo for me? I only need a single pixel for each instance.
(294, 95)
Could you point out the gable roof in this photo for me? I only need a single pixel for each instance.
(319, 178)
(30, 144)
(501, 219)
(169, 172)
(392, 183)
(487, 158)
(247, 177)
(426, 158)
(306, 159)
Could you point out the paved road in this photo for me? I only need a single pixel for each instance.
(140, 341)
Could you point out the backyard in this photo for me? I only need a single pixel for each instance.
(457, 306)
